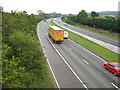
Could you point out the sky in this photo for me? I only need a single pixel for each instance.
(59, 6)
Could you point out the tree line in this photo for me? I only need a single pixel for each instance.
(108, 23)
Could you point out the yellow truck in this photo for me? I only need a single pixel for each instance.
(56, 33)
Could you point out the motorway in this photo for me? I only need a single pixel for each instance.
(91, 34)
(73, 66)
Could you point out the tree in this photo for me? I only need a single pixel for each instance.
(41, 14)
(94, 14)
(82, 14)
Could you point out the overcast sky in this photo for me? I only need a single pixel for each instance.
(59, 6)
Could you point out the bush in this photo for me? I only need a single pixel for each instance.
(24, 56)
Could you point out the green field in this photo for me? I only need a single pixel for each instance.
(101, 51)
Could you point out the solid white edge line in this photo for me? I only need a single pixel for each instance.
(48, 61)
(67, 64)
(85, 86)
(115, 86)
(53, 74)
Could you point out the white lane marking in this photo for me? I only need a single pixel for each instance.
(88, 50)
(85, 86)
(53, 74)
(58, 86)
(70, 49)
(85, 61)
(66, 62)
(115, 86)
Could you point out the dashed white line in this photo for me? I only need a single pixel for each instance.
(88, 50)
(85, 61)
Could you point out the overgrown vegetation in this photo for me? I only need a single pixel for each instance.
(99, 50)
(23, 61)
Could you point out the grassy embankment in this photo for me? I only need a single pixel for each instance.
(101, 51)
(23, 61)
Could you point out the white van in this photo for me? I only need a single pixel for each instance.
(65, 35)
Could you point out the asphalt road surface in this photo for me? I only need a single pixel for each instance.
(73, 66)
(91, 34)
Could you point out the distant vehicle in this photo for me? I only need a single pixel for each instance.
(65, 35)
(65, 24)
(114, 67)
(44, 20)
(56, 33)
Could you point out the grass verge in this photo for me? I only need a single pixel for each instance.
(99, 50)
